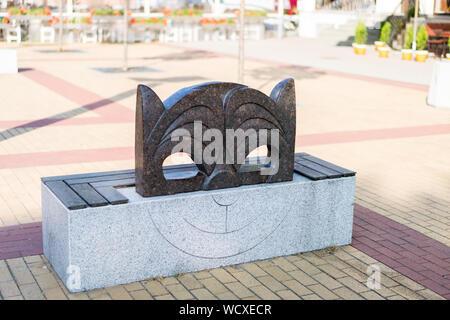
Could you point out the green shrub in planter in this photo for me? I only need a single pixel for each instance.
(422, 37)
(385, 32)
(409, 37)
(360, 33)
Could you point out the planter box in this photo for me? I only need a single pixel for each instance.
(8, 61)
(439, 93)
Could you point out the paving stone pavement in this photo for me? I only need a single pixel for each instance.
(73, 119)
(337, 273)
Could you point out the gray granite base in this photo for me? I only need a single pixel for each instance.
(163, 236)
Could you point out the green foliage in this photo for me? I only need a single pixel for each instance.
(412, 12)
(409, 37)
(385, 32)
(103, 12)
(360, 33)
(422, 38)
(448, 43)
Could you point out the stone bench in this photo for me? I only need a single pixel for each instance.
(96, 223)
(110, 228)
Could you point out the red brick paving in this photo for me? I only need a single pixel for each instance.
(21, 240)
(22, 160)
(413, 254)
(405, 250)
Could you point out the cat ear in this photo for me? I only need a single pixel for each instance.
(149, 109)
(284, 93)
(284, 96)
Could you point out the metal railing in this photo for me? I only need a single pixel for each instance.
(345, 5)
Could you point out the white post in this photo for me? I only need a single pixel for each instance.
(125, 35)
(241, 42)
(416, 13)
(281, 16)
(147, 7)
(216, 7)
(61, 17)
(69, 8)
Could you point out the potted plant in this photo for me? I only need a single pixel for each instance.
(448, 46)
(385, 33)
(422, 37)
(359, 46)
(407, 45)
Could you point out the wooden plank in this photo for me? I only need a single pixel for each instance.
(88, 194)
(343, 171)
(99, 178)
(114, 183)
(300, 155)
(87, 175)
(66, 195)
(319, 168)
(308, 172)
(112, 195)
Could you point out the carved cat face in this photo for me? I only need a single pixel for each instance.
(221, 106)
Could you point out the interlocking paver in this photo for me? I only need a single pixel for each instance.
(203, 294)
(222, 275)
(302, 277)
(353, 284)
(141, 295)
(31, 292)
(134, 286)
(371, 295)
(323, 292)
(202, 274)
(307, 267)
(327, 281)
(409, 160)
(214, 286)
(332, 271)
(239, 290)
(118, 293)
(265, 293)
(284, 264)
(295, 286)
(254, 270)
(55, 293)
(288, 295)
(46, 281)
(277, 273)
(9, 289)
(78, 296)
(179, 292)
(246, 279)
(406, 293)
(189, 281)
(164, 297)
(271, 283)
(347, 294)
(227, 296)
(155, 288)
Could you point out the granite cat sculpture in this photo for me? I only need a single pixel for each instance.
(217, 105)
